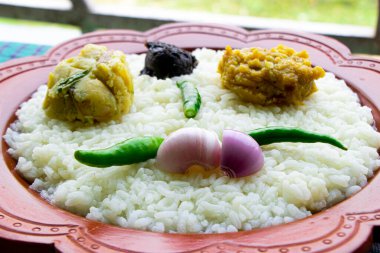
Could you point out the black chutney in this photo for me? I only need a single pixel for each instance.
(164, 60)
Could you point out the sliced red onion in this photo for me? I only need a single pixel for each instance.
(189, 146)
(241, 154)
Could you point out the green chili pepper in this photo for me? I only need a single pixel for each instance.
(141, 149)
(269, 135)
(66, 83)
(191, 99)
(130, 151)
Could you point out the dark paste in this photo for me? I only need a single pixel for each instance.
(164, 60)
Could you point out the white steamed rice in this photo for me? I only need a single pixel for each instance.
(297, 179)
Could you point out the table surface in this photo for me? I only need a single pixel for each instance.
(13, 50)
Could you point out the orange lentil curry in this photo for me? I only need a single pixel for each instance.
(277, 76)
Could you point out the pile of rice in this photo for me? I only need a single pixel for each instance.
(296, 181)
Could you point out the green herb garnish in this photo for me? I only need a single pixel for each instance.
(66, 83)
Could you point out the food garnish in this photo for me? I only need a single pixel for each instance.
(189, 146)
(96, 85)
(269, 135)
(191, 99)
(164, 60)
(277, 76)
(241, 155)
(130, 151)
(67, 83)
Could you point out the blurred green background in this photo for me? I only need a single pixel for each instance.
(90, 15)
(356, 12)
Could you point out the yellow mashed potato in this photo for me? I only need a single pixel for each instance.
(96, 85)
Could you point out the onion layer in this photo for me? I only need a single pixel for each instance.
(189, 146)
(241, 155)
